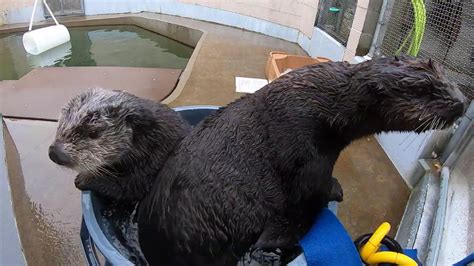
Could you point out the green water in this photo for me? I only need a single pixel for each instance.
(125, 45)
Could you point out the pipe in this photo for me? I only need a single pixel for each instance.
(33, 15)
(385, 12)
(50, 12)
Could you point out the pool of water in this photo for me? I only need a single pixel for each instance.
(122, 45)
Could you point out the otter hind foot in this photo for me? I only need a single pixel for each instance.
(336, 193)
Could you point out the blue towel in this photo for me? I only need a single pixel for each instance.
(465, 261)
(328, 243)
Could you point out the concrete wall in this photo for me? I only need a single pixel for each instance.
(295, 14)
(291, 20)
(370, 24)
(404, 150)
(18, 11)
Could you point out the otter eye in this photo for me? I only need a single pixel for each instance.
(93, 134)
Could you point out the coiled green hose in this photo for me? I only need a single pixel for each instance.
(417, 31)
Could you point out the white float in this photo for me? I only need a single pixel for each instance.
(37, 41)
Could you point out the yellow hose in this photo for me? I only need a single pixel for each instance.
(374, 241)
(369, 253)
(391, 257)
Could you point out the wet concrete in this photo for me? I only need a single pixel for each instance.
(25, 98)
(225, 53)
(374, 192)
(46, 203)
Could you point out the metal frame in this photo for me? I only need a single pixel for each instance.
(423, 222)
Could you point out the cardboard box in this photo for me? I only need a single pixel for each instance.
(279, 63)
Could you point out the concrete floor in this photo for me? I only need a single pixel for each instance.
(374, 192)
(47, 205)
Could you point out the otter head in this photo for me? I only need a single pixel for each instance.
(93, 130)
(409, 94)
(117, 142)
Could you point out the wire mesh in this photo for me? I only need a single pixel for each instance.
(448, 37)
(335, 18)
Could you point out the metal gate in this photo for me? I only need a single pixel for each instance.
(335, 18)
(448, 36)
(65, 7)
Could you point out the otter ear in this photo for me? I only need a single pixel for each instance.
(131, 120)
(437, 68)
(431, 63)
(112, 111)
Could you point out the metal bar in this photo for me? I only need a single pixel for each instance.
(438, 226)
(33, 15)
(385, 13)
(50, 12)
(460, 137)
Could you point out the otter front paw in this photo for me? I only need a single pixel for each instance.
(82, 183)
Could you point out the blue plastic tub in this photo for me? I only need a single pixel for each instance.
(100, 242)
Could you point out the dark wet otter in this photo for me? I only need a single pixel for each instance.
(258, 171)
(116, 141)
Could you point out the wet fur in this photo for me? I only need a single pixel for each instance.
(118, 142)
(257, 172)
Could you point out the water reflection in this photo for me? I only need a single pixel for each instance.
(51, 57)
(127, 46)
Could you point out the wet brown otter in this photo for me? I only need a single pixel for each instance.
(258, 171)
(116, 141)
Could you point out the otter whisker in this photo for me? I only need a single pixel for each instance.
(411, 142)
(406, 138)
(435, 124)
(426, 128)
(423, 124)
(415, 132)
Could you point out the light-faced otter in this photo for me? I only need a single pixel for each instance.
(257, 172)
(117, 142)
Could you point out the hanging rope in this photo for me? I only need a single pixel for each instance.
(417, 31)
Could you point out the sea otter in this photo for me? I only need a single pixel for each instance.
(117, 142)
(256, 173)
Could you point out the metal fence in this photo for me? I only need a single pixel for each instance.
(448, 37)
(335, 18)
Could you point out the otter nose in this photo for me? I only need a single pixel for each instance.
(58, 155)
